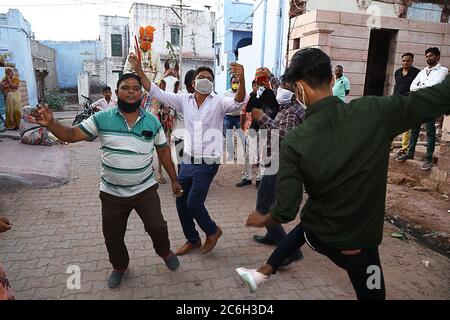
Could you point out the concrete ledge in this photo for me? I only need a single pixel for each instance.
(33, 166)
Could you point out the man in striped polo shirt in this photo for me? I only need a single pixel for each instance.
(128, 136)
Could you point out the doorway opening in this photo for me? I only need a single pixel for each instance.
(380, 58)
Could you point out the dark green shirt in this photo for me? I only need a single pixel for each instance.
(341, 154)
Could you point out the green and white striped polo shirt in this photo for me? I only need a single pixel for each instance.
(127, 153)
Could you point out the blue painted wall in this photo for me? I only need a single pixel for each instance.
(15, 34)
(70, 56)
(234, 14)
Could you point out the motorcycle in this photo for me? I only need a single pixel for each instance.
(86, 112)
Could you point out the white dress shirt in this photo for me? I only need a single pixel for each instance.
(429, 77)
(203, 136)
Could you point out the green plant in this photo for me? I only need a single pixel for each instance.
(54, 99)
(4, 58)
(172, 54)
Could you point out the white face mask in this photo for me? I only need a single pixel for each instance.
(284, 96)
(203, 86)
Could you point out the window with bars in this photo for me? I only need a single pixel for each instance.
(175, 36)
(116, 45)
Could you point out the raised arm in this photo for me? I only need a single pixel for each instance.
(173, 100)
(44, 117)
(238, 71)
(403, 112)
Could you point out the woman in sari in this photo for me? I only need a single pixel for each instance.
(10, 87)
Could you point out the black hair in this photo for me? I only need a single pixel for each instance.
(189, 77)
(201, 69)
(106, 89)
(311, 65)
(433, 50)
(129, 76)
(408, 54)
(339, 66)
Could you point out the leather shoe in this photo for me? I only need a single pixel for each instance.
(244, 182)
(264, 240)
(188, 247)
(211, 241)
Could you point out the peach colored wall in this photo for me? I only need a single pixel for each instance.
(345, 37)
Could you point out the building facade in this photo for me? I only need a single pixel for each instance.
(270, 39)
(368, 38)
(70, 59)
(15, 38)
(190, 32)
(44, 64)
(233, 30)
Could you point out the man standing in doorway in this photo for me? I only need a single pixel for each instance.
(432, 75)
(403, 79)
(341, 87)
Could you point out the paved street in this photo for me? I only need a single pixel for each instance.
(56, 228)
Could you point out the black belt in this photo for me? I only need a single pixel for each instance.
(202, 160)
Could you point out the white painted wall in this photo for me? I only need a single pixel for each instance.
(265, 51)
(386, 9)
(199, 23)
(83, 87)
(113, 25)
(220, 72)
(198, 26)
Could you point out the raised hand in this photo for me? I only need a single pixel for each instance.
(43, 115)
(136, 64)
(237, 70)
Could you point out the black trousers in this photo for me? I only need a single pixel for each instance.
(363, 269)
(115, 213)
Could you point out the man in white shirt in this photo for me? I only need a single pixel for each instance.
(106, 102)
(203, 112)
(432, 75)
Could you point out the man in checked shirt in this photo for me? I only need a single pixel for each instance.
(290, 114)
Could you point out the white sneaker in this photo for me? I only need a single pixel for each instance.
(251, 278)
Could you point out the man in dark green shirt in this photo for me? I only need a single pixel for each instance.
(340, 154)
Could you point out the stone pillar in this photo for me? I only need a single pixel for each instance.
(444, 151)
(319, 38)
(113, 77)
(83, 87)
